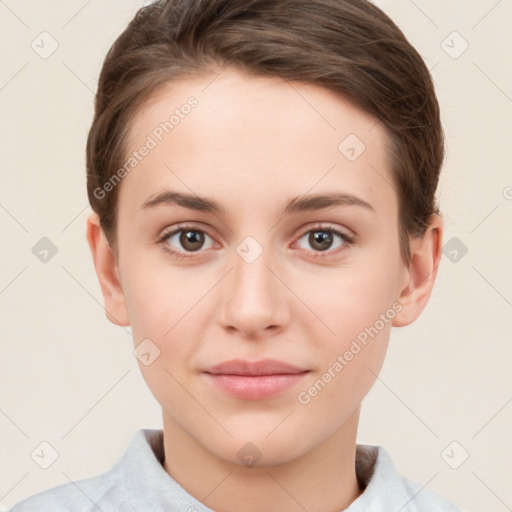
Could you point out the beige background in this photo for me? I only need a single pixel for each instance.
(68, 377)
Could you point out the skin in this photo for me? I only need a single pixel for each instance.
(252, 144)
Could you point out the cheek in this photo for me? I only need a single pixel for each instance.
(346, 301)
(360, 312)
(160, 299)
(163, 313)
(351, 355)
(356, 307)
(337, 392)
(165, 307)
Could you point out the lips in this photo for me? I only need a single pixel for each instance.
(258, 380)
(258, 368)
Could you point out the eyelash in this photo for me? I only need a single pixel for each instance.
(318, 254)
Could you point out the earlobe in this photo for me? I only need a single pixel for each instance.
(422, 272)
(107, 272)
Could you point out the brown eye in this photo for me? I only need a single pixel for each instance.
(191, 240)
(187, 240)
(322, 240)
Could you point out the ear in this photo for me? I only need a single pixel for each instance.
(425, 258)
(107, 272)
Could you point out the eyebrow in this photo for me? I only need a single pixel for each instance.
(296, 205)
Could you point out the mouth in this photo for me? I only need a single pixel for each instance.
(255, 380)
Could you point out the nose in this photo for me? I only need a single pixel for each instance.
(253, 299)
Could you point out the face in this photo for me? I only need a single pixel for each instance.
(265, 309)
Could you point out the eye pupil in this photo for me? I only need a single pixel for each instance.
(321, 240)
(191, 240)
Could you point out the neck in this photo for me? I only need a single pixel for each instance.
(321, 480)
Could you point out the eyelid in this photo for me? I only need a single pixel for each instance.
(170, 231)
(320, 226)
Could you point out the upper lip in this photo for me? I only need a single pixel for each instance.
(263, 367)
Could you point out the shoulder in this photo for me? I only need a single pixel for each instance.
(425, 500)
(80, 496)
(105, 492)
(385, 489)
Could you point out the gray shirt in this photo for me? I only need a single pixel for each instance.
(138, 482)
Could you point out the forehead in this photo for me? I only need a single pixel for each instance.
(240, 138)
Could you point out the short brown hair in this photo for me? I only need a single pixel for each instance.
(349, 47)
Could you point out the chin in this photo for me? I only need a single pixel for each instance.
(253, 446)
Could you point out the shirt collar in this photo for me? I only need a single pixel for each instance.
(141, 469)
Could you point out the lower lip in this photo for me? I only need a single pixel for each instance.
(257, 387)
